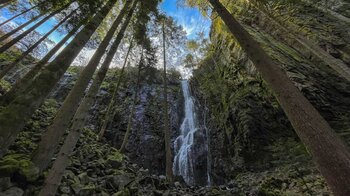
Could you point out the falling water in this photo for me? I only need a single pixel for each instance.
(191, 145)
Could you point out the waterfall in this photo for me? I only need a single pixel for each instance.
(191, 148)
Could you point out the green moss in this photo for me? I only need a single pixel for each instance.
(21, 164)
(4, 86)
(116, 155)
(124, 192)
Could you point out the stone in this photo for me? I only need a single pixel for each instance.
(84, 178)
(5, 183)
(121, 181)
(13, 191)
(65, 189)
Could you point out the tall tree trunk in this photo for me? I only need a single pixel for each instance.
(55, 175)
(167, 139)
(6, 68)
(5, 3)
(24, 82)
(26, 32)
(20, 14)
(327, 149)
(110, 111)
(133, 107)
(22, 26)
(336, 64)
(51, 138)
(14, 116)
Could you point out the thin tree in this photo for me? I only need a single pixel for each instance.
(55, 175)
(167, 139)
(110, 110)
(21, 27)
(31, 29)
(51, 138)
(6, 68)
(133, 107)
(20, 14)
(327, 149)
(24, 82)
(14, 115)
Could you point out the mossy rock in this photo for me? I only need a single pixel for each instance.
(19, 164)
(124, 192)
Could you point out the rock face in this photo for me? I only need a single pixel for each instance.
(251, 140)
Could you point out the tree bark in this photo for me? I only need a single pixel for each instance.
(26, 32)
(14, 116)
(60, 164)
(133, 107)
(110, 112)
(167, 139)
(341, 68)
(327, 149)
(6, 68)
(24, 82)
(20, 14)
(5, 3)
(22, 26)
(51, 138)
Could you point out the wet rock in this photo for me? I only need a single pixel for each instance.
(14, 191)
(84, 178)
(5, 183)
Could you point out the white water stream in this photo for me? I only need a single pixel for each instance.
(184, 161)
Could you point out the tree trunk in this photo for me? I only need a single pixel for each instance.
(14, 116)
(24, 82)
(5, 3)
(22, 26)
(26, 32)
(20, 14)
(110, 113)
(6, 68)
(331, 61)
(327, 149)
(133, 107)
(60, 164)
(167, 139)
(51, 138)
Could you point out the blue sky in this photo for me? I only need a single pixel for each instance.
(191, 19)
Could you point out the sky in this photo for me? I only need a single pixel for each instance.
(189, 18)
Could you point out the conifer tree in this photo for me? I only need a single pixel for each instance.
(50, 139)
(14, 115)
(328, 151)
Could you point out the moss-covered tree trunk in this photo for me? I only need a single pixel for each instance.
(14, 115)
(6, 68)
(20, 14)
(31, 29)
(55, 175)
(167, 139)
(24, 82)
(327, 149)
(51, 138)
(110, 111)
